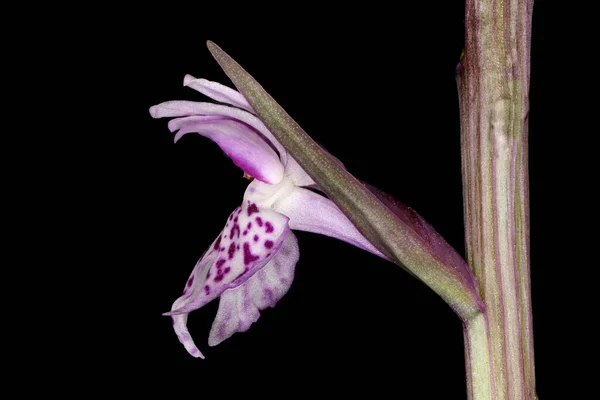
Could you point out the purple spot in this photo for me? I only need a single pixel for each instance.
(219, 278)
(249, 257)
(190, 281)
(207, 289)
(249, 225)
(256, 238)
(268, 293)
(269, 244)
(235, 228)
(226, 270)
(222, 249)
(259, 221)
(237, 247)
(245, 233)
(268, 255)
(231, 251)
(218, 243)
(269, 227)
(235, 219)
(230, 217)
(252, 209)
(220, 263)
(208, 275)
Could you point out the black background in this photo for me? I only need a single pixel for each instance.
(376, 87)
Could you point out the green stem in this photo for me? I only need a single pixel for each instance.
(493, 78)
(477, 355)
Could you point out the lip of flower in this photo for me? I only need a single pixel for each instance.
(250, 265)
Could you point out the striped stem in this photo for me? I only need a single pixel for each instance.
(493, 81)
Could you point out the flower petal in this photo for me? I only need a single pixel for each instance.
(240, 142)
(240, 307)
(312, 212)
(188, 108)
(218, 92)
(192, 289)
(181, 330)
(251, 238)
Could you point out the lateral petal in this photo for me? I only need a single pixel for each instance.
(312, 212)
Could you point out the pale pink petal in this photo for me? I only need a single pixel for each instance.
(181, 330)
(218, 92)
(312, 212)
(240, 307)
(189, 108)
(240, 142)
(193, 288)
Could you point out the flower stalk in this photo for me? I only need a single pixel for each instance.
(493, 83)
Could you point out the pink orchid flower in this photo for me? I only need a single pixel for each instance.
(251, 263)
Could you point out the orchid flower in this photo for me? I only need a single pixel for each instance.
(250, 265)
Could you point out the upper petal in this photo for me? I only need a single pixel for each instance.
(188, 108)
(218, 92)
(240, 307)
(239, 141)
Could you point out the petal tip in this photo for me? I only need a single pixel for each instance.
(187, 79)
(178, 136)
(213, 340)
(196, 353)
(173, 313)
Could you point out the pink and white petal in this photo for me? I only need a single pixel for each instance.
(181, 330)
(218, 92)
(312, 212)
(195, 283)
(192, 290)
(188, 108)
(251, 237)
(241, 143)
(240, 307)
